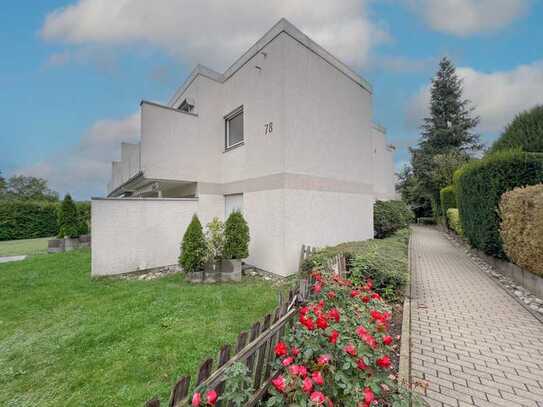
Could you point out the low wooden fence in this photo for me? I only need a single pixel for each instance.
(254, 348)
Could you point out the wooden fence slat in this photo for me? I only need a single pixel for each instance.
(262, 354)
(242, 341)
(255, 331)
(204, 371)
(153, 403)
(179, 391)
(224, 356)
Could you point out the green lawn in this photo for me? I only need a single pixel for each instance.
(67, 340)
(29, 247)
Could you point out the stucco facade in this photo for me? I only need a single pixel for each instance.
(310, 164)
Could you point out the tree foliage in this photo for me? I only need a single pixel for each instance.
(447, 138)
(412, 194)
(525, 132)
(25, 188)
(68, 218)
(194, 247)
(236, 236)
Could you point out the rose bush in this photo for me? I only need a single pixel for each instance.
(338, 350)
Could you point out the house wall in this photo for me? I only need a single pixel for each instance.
(137, 234)
(382, 170)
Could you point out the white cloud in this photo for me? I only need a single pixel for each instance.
(467, 17)
(84, 170)
(214, 32)
(497, 96)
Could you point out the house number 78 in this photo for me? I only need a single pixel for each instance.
(268, 128)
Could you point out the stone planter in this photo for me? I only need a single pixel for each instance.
(221, 270)
(55, 245)
(67, 244)
(231, 270)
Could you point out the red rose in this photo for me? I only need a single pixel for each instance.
(279, 383)
(361, 364)
(298, 370)
(307, 322)
(295, 351)
(334, 314)
(321, 322)
(365, 299)
(317, 287)
(307, 385)
(333, 337)
(387, 340)
(350, 349)
(317, 398)
(280, 349)
(196, 399)
(370, 341)
(383, 362)
(287, 361)
(323, 360)
(368, 395)
(376, 315)
(304, 310)
(376, 296)
(331, 294)
(369, 283)
(360, 331)
(354, 293)
(317, 378)
(211, 397)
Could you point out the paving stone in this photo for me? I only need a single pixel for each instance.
(475, 344)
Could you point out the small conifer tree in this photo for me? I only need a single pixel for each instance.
(68, 219)
(193, 247)
(236, 236)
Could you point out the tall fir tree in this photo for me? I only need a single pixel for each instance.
(447, 137)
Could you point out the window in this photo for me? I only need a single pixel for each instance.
(187, 105)
(234, 128)
(232, 203)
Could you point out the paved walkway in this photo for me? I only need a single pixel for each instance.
(471, 341)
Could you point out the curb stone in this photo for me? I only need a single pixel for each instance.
(404, 370)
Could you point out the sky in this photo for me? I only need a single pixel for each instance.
(72, 73)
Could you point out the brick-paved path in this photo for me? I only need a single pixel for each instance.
(471, 341)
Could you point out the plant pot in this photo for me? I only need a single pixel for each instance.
(231, 270)
(213, 266)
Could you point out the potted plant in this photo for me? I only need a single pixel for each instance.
(215, 245)
(236, 243)
(193, 248)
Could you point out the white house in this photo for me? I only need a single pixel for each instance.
(285, 134)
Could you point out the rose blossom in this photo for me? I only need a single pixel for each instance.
(383, 362)
(387, 340)
(317, 378)
(280, 349)
(279, 383)
(368, 395)
(323, 360)
(350, 349)
(331, 294)
(196, 399)
(298, 370)
(307, 385)
(317, 287)
(287, 361)
(333, 314)
(295, 351)
(333, 337)
(321, 322)
(317, 397)
(211, 397)
(361, 364)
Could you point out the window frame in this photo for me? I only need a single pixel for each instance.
(234, 113)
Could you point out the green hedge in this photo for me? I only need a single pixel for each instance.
(453, 220)
(390, 216)
(479, 186)
(525, 132)
(448, 199)
(27, 219)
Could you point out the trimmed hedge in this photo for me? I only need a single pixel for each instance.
(479, 186)
(448, 199)
(27, 219)
(193, 247)
(453, 220)
(68, 219)
(525, 132)
(521, 227)
(390, 216)
(236, 237)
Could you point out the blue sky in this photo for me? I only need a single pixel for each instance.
(74, 72)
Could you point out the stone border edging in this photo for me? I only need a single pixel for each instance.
(404, 370)
(475, 257)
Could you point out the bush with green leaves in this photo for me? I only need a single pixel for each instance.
(479, 186)
(215, 239)
(83, 213)
(68, 218)
(525, 132)
(193, 247)
(27, 219)
(390, 216)
(236, 237)
(448, 198)
(453, 220)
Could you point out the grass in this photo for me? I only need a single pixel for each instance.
(30, 247)
(67, 340)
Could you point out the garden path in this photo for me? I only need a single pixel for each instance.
(471, 342)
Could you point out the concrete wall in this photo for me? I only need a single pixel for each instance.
(382, 170)
(137, 234)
